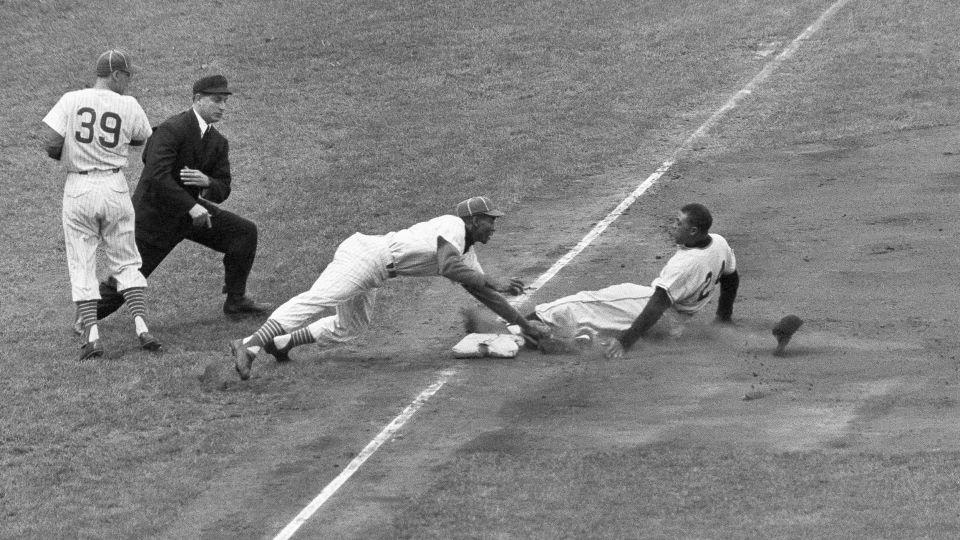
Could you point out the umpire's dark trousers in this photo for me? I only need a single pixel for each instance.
(230, 234)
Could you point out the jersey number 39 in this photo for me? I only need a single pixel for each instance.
(109, 124)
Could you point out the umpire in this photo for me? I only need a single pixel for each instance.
(186, 172)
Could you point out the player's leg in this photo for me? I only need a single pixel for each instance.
(152, 253)
(82, 236)
(236, 238)
(341, 280)
(350, 319)
(124, 262)
(610, 309)
(354, 271)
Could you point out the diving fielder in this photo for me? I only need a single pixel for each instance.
(90, 133)
(444, 245)
(686, 284)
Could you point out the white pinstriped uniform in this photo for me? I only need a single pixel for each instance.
(97, 126)
(360, 266)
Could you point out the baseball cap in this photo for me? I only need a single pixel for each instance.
(114, 60)
(477, 205)
(212, 84)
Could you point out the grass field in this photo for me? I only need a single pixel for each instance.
(835, 182)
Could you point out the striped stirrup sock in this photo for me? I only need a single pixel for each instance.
(87, 310)
(136, 301)
(295, 339)
(265, 333)
(302, 337)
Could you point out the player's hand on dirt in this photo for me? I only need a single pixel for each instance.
(613, 348)
(200, 216)
(194, 178)
(511, 286)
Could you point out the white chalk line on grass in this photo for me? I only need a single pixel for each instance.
(597, 230)
(701, 132)
(364, 454)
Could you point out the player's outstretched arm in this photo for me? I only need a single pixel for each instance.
(499, 305)
(656, 306)
(728, 295)
(452, 266)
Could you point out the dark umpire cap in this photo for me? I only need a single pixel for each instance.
(114, 60)
(212, 84)
(477, 205)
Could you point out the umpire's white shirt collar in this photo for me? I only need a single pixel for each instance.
(203, 125)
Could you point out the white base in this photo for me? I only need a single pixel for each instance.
(492, 345)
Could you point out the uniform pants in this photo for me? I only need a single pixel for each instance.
(97, 212)
(609, 310)
(230, 234)
(348, 284)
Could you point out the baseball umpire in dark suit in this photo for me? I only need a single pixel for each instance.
(186, 172)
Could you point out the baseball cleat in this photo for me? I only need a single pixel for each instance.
(279, 354)
(149, 343)
(90, 349)
(242, 358)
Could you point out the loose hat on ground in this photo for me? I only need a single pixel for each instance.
(212, 84)
(114, 60)
(477, 205)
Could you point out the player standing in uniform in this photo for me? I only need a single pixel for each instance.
(441, 246)
(90, 133)
(686, 284)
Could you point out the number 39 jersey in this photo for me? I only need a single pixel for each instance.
(692, 274)
(97, 126)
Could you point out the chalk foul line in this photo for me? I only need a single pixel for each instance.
(384, 435)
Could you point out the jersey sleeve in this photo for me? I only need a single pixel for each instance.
(141, 129)
(730, 263)
(57, 117)
(453, 230)
(472, 260)
(677, 280)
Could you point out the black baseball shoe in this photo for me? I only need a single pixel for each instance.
(149, 343)
(90, 349)
(281, 355)
(245, 306)
(242, 358)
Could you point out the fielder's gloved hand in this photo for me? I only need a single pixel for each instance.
(534, 332)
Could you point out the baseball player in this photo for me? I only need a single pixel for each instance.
(685, 285)
(90, 132)
(443, 246)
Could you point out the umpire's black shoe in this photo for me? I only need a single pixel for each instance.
(90, 349)
(242, 358)
(279, 354)
(149, 343)
(243, 306)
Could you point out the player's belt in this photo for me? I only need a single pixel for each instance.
(116, 170)
(391, 270)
